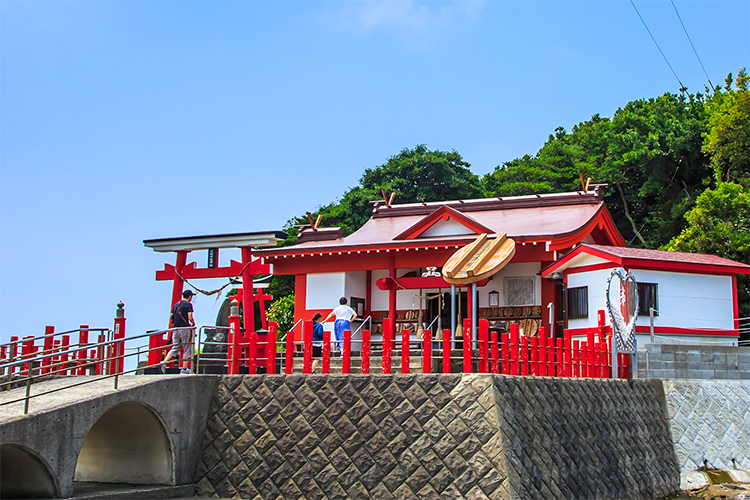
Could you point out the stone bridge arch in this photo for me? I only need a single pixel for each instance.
(25, 474)
(127, 444)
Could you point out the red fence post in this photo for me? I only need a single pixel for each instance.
(64, 345)
(567, 354)
(427, 351)
(559, 356)
(590, 354)
(252, 347)
(514, 348)
(404, 351)
(101, 365)
(120, 334)
(468, 345)
(495, 353)
(386, 356)
(326, 368)
(13, 353)
(83, 341)
(307, 346)
(289, 365)
(365, 352)
(583, 360)
(273, 328)
(542, 354)
(233, 340)
(533, 356)
(49, 332)
(506, 353)
(446, 350)
(524, 355)
(346, 355)
(484, 352)
(576, 364)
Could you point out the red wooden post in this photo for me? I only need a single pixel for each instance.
(101, 365)
(289, 365)
(600, 324)
(533, 356)
(484, 352)
(468, 344)
(386, 359)
(506, 353)
(83, 340)
(346, 355)
(542, 355)
(427, 351)
(576, 364)
(27, 352)
(49, 333)
(597, 360)
(365, 352)
(64, 345)
(514, 348)
(583, 360)
(551, 356)
(273, 328)
(524, 358)
(13, 352)
(567, 354)
(446, 350)
(559, 357)
(252, 346)
(495, 353)
(233, 340)
(404, 351)
(590, 354)
(119, 334)
(307, 348)
(326, 368)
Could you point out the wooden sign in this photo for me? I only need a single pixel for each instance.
(480, 259)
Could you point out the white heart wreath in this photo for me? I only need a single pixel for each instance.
(627, 303)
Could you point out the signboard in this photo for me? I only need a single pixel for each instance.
(213, 258)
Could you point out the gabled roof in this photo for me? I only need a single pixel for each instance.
(559, 220)
(641, 258)
(444, 213)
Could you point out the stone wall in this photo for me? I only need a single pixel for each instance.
(710, 420)
(694, 362)
(436, 436)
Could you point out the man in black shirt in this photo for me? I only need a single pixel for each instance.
(182, 338)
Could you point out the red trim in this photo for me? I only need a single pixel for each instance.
(735, 299)
(666, 330)
(190, 271)
(602, 220)
(443, 213)
(418, 282)
(300, 302)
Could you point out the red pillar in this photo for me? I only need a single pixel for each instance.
(484, 365)
(49, 333)
(404, 351)
(326, 363)
(83, 340)
(64, 354)
(567, 359)
(233, 350)
(289, 365)
(514, 349)
(271, 347)
(533, 356)
(307, 349)
(542, 352)
(118, 335)
(386, 359)
(391, 299)
(248, 309)
(346, 354)
(467, 345)
(495, 353)
(446, 350)
(506, 353)
(179, 283)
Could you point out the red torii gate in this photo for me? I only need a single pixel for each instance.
(182, 271)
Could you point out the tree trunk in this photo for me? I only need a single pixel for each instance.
(627, 214)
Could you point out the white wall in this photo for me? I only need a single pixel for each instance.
(522, 269)
(324, 290)
(597, 284)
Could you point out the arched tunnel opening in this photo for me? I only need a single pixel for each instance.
(23, 474)
(127, 445)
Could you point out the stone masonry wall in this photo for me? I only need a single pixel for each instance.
(694, 362)
(710, 420)
(436, 436)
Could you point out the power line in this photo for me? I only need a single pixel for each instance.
(691, 44)
(657, 45)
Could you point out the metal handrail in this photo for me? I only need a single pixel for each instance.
(368, 318)
(283, 337)
(55, 334)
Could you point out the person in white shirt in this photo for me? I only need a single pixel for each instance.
(344, 317)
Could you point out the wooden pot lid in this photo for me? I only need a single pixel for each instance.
(479, 260)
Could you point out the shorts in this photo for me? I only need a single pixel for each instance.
(182, 339)
(317, 351)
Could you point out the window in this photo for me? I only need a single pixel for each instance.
(578, 302)
(648, 296)
(519, 291)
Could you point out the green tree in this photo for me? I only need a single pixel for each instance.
(727, 141)
(282, 312)
(720, 225)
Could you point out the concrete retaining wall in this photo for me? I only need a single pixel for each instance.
(710, 420)
(436, 436)
(694, 362)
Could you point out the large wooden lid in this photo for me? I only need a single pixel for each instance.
(478, 260)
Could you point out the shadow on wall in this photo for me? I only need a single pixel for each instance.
(128, 444)
(24, 474)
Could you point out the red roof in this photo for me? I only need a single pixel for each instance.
(563, 219)
(652, 259)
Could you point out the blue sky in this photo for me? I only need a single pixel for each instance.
(125, 121)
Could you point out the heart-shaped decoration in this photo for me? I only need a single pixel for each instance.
(622, 304)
